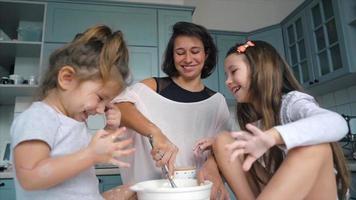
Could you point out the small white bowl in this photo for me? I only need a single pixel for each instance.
(185, 173)
(188, 189)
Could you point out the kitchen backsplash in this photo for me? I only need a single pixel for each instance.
(341, 101)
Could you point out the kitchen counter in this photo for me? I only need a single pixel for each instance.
(100, 170)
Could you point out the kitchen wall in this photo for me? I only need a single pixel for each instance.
(234, 15)
(342, 101)
(6, 116)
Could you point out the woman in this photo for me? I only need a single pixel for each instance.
(177, 111)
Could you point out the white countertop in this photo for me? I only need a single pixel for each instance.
(98, 171)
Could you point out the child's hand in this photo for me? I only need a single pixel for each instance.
(105, 147)
(253, 143)
(203, 144)
(113, 117)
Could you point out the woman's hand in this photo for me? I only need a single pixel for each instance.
(106, 148)
(253, 143)
(121, 192)
(113, 117)
(164, 152)
(210, 171)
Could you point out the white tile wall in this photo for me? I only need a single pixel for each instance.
(343, 102)
(6, 116)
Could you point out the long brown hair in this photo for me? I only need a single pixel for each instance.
(271, 78)
(98, 53)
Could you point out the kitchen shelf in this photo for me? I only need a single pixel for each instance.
(8, 93)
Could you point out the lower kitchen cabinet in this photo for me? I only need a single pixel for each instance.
(7, 189)
(107, 182)
(353, 186)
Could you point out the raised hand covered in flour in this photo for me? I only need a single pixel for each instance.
(105, 148)
(113, 117)
(254, 143)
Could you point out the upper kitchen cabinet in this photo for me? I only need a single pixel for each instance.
(270, 34)
(317, 46)
(65, 20)
(297, 49)
(21, 40)
(348, 18)
(166, 20)
(327, 44)
(224, 41)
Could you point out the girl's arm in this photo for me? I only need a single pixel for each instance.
(305, 123)
(35, 169)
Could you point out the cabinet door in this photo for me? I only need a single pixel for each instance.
(166, 19)
(107, 182)
(143, 62)
(48, 48)
(297, 49)
(272, 35)
(328, 50)
(212, 81)
(224, 43)
(7, 189)
(65, 20)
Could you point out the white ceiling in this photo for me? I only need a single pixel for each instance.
(235, 15)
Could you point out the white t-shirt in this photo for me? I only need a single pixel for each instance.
(305, 123)
(64, 136)
(182, 123)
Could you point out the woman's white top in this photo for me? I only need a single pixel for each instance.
(182, 123)
(305, 123)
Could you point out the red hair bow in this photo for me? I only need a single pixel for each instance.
(242, 48)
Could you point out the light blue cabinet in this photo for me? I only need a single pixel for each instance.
(271, 34)
(7, 189)
(328, 50)
(65, 20)
(325, 28)
(297, 46)
(166, 20)
(20, 45)
(143, 62)
(107, 182)
(224, 41)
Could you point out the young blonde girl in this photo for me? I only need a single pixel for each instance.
(52, 151)
(285, 134)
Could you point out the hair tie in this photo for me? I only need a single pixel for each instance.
(242, 48)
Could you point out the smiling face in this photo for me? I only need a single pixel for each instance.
(89, 98)
(189, 56)
(238, 76)
(78, 98)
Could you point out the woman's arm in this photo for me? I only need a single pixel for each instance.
(134, 119)
(35, 169)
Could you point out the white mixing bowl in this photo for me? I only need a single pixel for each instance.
(187, 189)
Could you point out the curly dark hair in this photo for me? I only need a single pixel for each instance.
(191, 30)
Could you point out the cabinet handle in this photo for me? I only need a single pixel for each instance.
(2, 184)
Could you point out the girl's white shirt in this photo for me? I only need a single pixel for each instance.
(64, 136)
(182, 123)
(304, 122)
